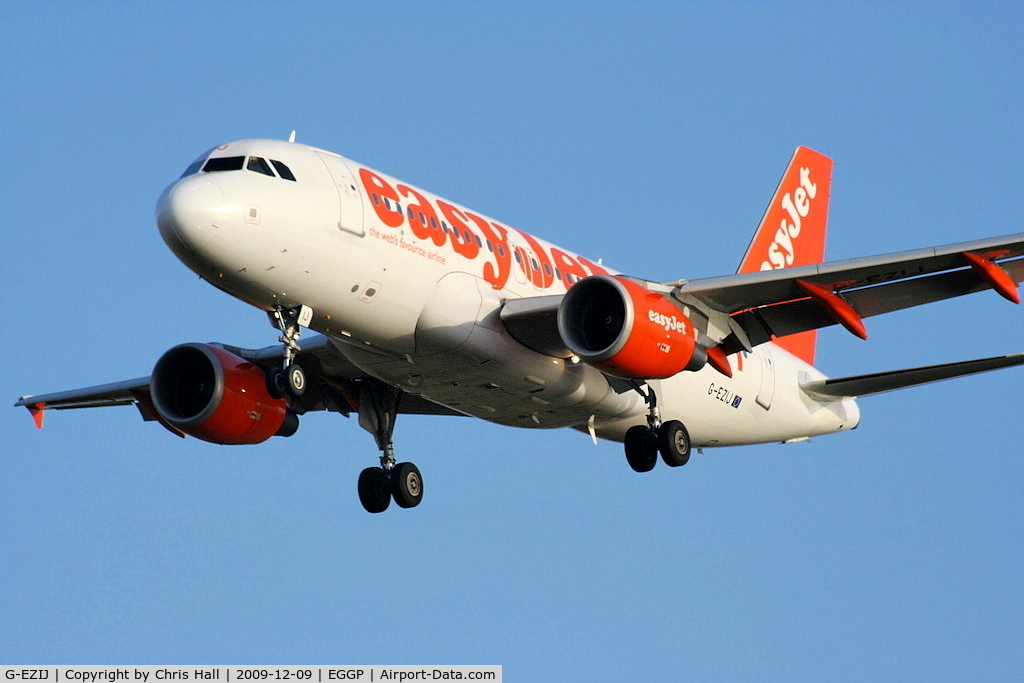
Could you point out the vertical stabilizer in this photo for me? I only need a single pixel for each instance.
(792, 230)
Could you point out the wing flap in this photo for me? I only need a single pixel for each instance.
(879, 382)
(797, 316)
(733, 293)
(772, 303)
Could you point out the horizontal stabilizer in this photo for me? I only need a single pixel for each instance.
(876, 383)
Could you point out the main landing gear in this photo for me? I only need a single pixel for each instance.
(378, 407)
(290, 378)
(645, 442)
(401, 481)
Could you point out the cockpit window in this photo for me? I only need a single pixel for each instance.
(194, 167)
(260, 166)
(255, 164)
(283, 170)
(197, 164)
(224, 164)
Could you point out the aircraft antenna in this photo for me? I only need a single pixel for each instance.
(291, 138)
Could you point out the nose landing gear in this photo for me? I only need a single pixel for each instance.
(290, 378)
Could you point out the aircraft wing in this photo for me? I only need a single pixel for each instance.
(338, 387)
(777, 303)
(113, 394)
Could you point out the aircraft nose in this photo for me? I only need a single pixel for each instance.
(187, 213)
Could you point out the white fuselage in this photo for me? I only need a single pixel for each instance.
(409, 288)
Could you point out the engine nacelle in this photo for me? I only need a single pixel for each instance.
(213, 395)
(627, 330)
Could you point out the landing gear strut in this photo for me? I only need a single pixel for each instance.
(644, 442)
(290, 378)
(378, 407)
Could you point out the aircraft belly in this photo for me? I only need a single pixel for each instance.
(493, 377)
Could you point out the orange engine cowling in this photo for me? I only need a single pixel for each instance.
(213, 395)
(627, 330)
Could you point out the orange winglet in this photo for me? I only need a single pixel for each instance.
(842, 312)
(719, 361)
(37, 413)
(996, 277)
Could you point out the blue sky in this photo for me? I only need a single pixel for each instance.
(648, 134)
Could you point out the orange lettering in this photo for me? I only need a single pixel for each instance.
(422, 218)
(467, 247)
(381, 193)
(542, 275)
(592, 267)
(568, 265)
(498, 236)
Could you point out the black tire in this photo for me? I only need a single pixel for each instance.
(277, 383)
(641, 448)
(296, 379)
(407, 485)
(374, 491)
(674, 443)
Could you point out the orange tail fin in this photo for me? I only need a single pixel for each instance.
(792, 230)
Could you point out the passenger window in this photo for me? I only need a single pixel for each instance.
(224, 164)
(260, 166)
(283, 170)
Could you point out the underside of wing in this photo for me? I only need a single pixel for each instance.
(335, 386)
(533, 322)
(127, 392)
(776, 303)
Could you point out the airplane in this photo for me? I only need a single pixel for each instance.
(423, 306)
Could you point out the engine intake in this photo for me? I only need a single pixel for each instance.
(627, 330)
(214, 395)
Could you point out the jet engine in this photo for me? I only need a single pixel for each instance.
(626, 330)
(214, 395)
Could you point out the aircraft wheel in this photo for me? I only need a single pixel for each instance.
(374, 490)
(641, 448)
(296, 378)
(407, 485)
(674, 443)
(277, 382)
